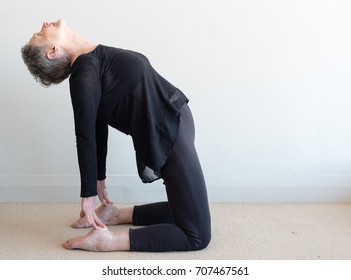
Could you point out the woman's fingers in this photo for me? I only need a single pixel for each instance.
(103, 197)
(97, 222)
(106, 198)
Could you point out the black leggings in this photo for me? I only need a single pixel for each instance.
(183, 223)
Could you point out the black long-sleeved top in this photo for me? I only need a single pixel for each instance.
(120, 88)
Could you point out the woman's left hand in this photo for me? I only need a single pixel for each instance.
(102, 193)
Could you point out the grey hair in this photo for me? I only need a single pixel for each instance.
(44, 70)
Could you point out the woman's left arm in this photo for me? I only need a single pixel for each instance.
(101, 132)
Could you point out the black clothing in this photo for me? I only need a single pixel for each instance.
(120, 88)
(183, 223)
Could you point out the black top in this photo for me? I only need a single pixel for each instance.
(120, 88)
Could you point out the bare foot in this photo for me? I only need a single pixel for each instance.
(99, 240)
(107, 214)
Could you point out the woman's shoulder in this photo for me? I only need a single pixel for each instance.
(83, 67)
(85, 61)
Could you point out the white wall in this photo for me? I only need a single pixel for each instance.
(269, 84)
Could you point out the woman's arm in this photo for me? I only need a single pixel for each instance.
(85, 91)
(101, 136)
(101, 153)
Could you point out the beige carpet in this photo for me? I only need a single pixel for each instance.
(240, 231)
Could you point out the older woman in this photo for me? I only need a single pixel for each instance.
(119, 88)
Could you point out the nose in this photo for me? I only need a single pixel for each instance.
(45, 24)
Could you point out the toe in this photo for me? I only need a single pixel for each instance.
(67, 245)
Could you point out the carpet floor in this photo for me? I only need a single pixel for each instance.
(239, 231)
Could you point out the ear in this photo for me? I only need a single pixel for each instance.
(53, 52)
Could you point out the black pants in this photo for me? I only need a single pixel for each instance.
(183, 223)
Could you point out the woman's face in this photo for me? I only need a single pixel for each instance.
(52, 33)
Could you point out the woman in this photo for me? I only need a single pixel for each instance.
(119, 88)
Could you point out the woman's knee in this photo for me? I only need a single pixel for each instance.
(205, 241)
(203, 238)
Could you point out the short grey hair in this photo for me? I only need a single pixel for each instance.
(44, 70)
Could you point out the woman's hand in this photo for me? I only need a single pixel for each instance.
(102, 193)
(88, 210)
